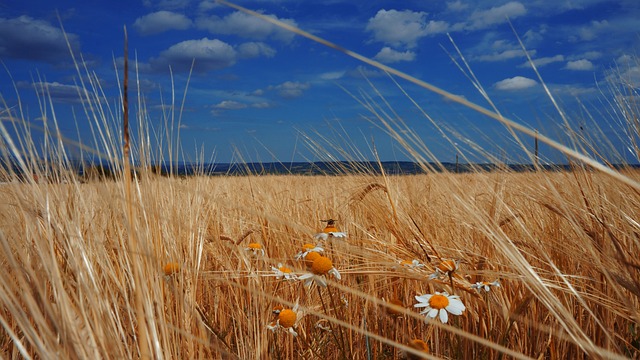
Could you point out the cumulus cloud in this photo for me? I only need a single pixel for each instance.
(589, 55)
(262, 105)
(515, 83)
(230, 105)
(387, 55)
(540, 62)
(255, 49)
(457, 5)
(30, 39)
(57, 91)
(403, 28)
(332, 75)
(290, 89)
(247, 26)
(624, 59)
(580, 65)
(205, 54)
(591, 31)
(504, 55)
(161, 21)
(485, 18)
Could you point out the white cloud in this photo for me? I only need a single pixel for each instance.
(161, 21)
(290, 89)
(27, 38)
(627, 75)
(255, 49)
(515, 83)
(540, 62)
(230, 105)
(57, 91)
(387, 55)
(244, 25)
(504, 55)
(403, 28)
(591, 31)
(332, 75)
(589, 55)
(457, 6)
(262, 105)
(207, 5)
(208, 55)
(580, 65)
(496, 15)
(624, 59)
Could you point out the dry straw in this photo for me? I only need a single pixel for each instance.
(158, 267)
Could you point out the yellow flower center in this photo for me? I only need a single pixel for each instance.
(311, 257)
(307, 247)
(287, 318)
(330, 229)
(438, 301)
(284, 269)
(255, 246)
(406, 263)
(321, 265)
(419, 345)
(171, 268)
(447, 266)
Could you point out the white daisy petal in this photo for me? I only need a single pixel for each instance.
(321, 236)
(335, 273)
(444, 316)
(456, 307)
(338, 234)
(424, 298)
(432, 313)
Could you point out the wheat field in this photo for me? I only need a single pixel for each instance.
(563, 246)
(502, 264)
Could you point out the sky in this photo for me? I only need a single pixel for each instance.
(256, 92)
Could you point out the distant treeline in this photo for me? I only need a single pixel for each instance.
(101, 171)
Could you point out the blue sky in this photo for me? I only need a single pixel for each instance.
(256, 90)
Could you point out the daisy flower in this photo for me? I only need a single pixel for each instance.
(418, 345)
(484, 285)
(283, 272)
(414, 264)
(287, 319)
(276, 309)
(311, 257)
(330, 231)
(308, 248)
(445, 268)
(171, 268)
(320, 267)
(440, 304)
(255, 249)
